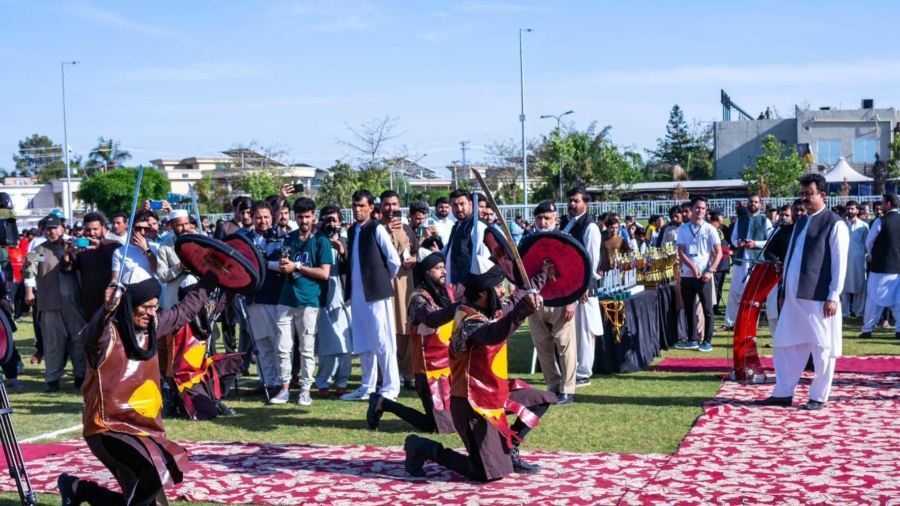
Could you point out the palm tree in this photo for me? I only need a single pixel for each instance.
(107, 156)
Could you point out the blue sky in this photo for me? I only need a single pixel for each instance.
(178, 79)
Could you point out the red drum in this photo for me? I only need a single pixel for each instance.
(764, 276)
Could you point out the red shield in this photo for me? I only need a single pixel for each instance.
(573, 266)
(201, 254)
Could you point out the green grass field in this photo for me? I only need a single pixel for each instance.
(613, 414)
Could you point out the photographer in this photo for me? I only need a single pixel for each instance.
(334, 319)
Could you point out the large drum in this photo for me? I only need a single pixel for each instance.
(764, 276)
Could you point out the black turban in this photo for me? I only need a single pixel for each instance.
(485, 282)
(143, 291)
(438, 292)
(136, 295)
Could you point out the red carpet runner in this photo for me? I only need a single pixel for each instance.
(872, 364)
(734, 454)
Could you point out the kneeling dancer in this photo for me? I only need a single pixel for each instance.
(480, 392)
(198, 382)
(431, 312)
(122, 413)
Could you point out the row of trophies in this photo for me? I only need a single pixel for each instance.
(650, 268)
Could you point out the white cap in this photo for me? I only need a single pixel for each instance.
(423, 254)
(178, 213)
(481, 265)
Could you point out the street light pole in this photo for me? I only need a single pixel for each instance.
(559, 133)
(69, 213)
(522, 115)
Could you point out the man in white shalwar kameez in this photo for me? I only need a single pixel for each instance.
(370, 301)
(854, 295)
(810, 317)
(588, 319)
(883, 245)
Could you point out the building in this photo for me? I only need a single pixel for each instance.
(826, 135)
(227, 170)
(32, 200)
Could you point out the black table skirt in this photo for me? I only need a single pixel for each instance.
(651, 324)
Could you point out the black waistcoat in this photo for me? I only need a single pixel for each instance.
(579, 228)
(886, 248)
(815, 259)
(376, 279)
(460, 251)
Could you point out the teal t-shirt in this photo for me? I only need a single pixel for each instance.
(298, 290)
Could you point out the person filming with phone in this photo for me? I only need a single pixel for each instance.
(90, 257)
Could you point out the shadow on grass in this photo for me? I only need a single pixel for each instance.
(608, 400)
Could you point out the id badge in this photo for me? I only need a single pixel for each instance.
(692, 250)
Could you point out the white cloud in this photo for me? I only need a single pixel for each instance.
(493, 7)
(334, 15)
(196, 73)
(862, 72)
(92, 14)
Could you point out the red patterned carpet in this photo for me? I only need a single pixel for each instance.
(870, 364)
(357, 475)
(736, 453)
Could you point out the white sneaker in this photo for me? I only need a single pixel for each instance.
(356, 396)
(304, 399)
(282, 397)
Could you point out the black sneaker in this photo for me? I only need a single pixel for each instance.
(52, 386)
(373, 415)
(225, 411)
(582, 382)
(79, 382)
(64, 484)
(520, 466)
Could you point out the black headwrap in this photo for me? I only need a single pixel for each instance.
(486, 282)
(136, 295)
(438, 292)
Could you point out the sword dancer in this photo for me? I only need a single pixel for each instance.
(480, 392)
(122, 414)
(431, 311)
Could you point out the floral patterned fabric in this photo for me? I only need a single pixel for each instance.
(736, 453)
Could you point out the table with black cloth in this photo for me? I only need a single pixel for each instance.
(651, 325)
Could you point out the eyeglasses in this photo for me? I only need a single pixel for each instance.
(150, 309)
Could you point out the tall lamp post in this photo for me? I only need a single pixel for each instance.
(69, 212)
(559, 132)
(522, 115)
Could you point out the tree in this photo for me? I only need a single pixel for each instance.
(778, 169)
(105, 157)
(36, 153)
(211, 199)
(590, 158)
(504, 173)
(691, 147)
(883, 172)
(338, 186)
(261, 183)
(113, 191)
(367, 142)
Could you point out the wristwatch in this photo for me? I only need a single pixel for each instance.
(148, 252)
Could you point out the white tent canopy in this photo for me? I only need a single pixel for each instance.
(842, 170)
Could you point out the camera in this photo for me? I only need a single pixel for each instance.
(284, 252)
(329, 226)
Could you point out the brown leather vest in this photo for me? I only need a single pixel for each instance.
(122, 395)
(478, 373)
(431, 347)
